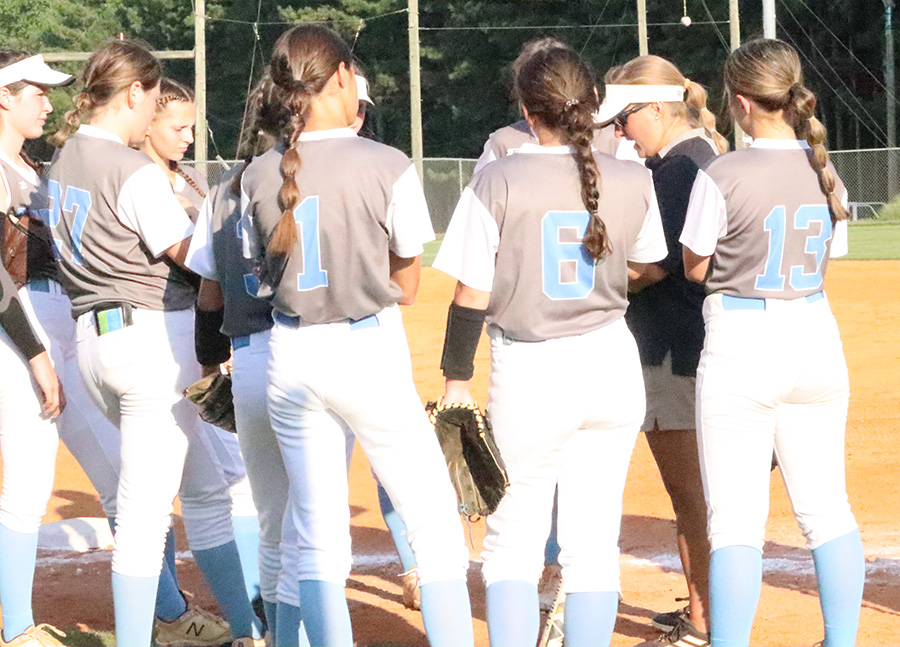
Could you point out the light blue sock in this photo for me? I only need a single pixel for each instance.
(323, 607)
(551, 548)
(133, 600)
(271, 609)
(398, 529)
(221, 566)
(841, 574)
(590, 618)
(735, 580)
(246, 535)
(18, 555)
(447, 614)
(169, 557)
(170, 604)
(513, 614)
(291, 632)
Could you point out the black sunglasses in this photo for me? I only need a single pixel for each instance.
(621, 119)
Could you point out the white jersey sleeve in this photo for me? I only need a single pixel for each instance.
(200, 259)
(650, 245)
(469, 248)
(840, 242)
(706, 220)
(487, 156)
(408, 222)
(148, 207)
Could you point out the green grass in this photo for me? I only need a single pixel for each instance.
(431, 250)
(874, 240)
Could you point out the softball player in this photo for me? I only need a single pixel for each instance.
(338, 354)
(665, 114)
(215, 491)
(114, 218)
(509, 139)
(28, 410)
(589, 218)
(760, 228)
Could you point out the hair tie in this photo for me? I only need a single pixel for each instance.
(571, 102)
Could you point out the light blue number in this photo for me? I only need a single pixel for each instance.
(306, 215)
(816, 244)
(772, 278)
(54, 192)
(251, 284)
(78, 201)
(804, 217)
(557, 256)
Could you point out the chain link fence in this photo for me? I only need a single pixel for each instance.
(445, 179)
(872, 178)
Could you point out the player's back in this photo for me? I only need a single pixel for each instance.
(339, 267)
(779, 229)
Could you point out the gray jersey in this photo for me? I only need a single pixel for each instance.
(359, 200)
(528, 207)
(30, 195)
(244, 313)
(113, 219)
(776, 237)
(507, 140)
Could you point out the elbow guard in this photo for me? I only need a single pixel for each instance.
(461, 341)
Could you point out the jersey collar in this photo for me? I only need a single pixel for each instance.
(99, 133)
(28, 173)
(780, 144)
(333, 133)
(531, 147)
(689, 134)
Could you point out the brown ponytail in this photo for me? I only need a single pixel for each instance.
(303, 60)
(556, 87)
(109, 70)
(655, 70)
(768, 72)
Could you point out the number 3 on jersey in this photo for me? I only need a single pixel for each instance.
(816, 244)
(306, 215)
(568, 270)
(78, 203)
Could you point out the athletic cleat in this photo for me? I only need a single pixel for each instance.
(39, 636)
(193, 628)
(667, 622)
(684, 634)
(553, 634)
(549, 585)
(412, 596)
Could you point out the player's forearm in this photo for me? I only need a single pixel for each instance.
(406, 272)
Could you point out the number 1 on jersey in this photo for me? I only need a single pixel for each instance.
(306, 215)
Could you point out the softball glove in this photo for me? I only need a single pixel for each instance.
(476, 469)
(212, 397)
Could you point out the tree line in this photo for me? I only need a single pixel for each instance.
(467, 46)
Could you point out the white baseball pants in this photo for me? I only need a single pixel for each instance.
(565, 410)
(323, 375)
(772, 376)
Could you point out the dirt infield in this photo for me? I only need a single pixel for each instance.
(73, 590)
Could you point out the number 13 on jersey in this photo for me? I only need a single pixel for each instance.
(776, 224)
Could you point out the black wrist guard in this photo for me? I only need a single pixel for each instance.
(15, 322)
(210, 345)
(461, 341)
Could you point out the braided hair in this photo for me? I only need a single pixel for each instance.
(768, 72)
(303, 60)
(556, 86)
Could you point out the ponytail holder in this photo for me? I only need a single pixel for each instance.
(571, 102)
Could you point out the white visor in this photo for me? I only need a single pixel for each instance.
(33, 70)
(619, 97)
(362, 89)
